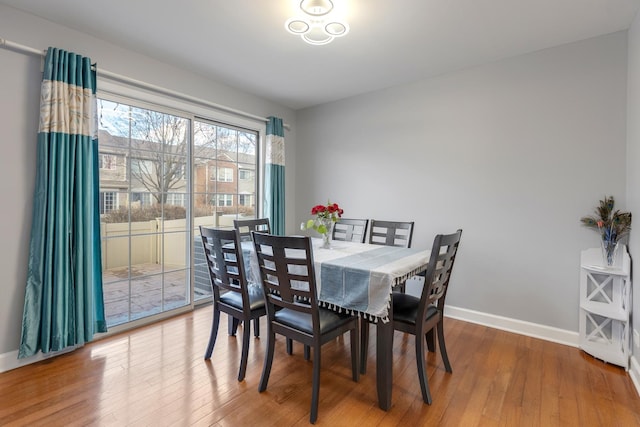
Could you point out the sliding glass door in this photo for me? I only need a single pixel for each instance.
(225, 162)
(144, 193)
(162, 175)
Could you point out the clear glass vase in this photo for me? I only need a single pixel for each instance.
(326, 236)
(609, 252)
(326, 241)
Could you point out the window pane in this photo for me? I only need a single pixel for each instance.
(228, 143)
(175, 295)
(225, 165)
(115, 258)
(116, 301)
(247, 144)
(146, 296)
(204, 139)
(175, 245)
(143, 194)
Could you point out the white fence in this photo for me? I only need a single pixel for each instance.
(125, 244)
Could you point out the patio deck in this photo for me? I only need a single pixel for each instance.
(145, 294)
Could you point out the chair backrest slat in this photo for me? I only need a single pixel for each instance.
(244, 227)
(350, 230)
(443, 255)
(391, 233)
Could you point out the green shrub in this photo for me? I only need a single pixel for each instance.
(168, 212)
(145, 213)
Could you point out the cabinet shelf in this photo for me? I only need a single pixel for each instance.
(605, 310)
(605, 306)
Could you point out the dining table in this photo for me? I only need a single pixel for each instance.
(359, 278)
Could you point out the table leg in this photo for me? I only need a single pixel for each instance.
(384, 363)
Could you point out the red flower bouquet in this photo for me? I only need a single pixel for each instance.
(325, 216)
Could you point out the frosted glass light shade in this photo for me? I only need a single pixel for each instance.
(297, 26)
(336, 29)
(316, 7)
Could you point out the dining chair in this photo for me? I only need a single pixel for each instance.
(231, 293)
(246, 226)
(420, 316)
(289, 283)
(350, 230)
(391, 233)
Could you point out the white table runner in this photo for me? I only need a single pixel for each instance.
(360, 277)
(357, 277)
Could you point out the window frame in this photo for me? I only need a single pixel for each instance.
(245, 199)
(227, 176)
(113, 202)
(113, 163)
(225, 198)
(242, 171)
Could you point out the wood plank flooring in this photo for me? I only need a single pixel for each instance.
(156, 376)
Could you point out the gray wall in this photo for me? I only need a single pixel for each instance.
(20, 77)
(633, 160)
(512, 152)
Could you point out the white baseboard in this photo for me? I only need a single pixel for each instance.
(634, 373)
(9, 361)
(548, 333)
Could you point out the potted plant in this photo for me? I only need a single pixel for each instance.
(612, 225)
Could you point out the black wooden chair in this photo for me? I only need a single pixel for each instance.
(246, 226)
(350, 230)
(391, 233)
(231, 294)
(288, 277)
(420, 316)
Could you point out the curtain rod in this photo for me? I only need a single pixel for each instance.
(4, 43)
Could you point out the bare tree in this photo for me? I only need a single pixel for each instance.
(158, 151)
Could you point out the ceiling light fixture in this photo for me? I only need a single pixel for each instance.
(317, 23)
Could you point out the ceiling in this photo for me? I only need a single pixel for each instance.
(243, 43)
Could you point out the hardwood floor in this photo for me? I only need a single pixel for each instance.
(156, 376)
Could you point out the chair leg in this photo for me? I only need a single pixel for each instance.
(443, 347)
(233, 325)
(355, 348)
(364, 345)
(256, 327)
(268, 361)
(213, 335)
(315, 386)
(422, 373)
(289, 346)
(246, 334)
(307, 352)
(431, 340)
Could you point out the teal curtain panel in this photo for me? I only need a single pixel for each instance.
(274, 175)
(64, 305)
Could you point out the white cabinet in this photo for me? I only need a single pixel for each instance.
(605, 306)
